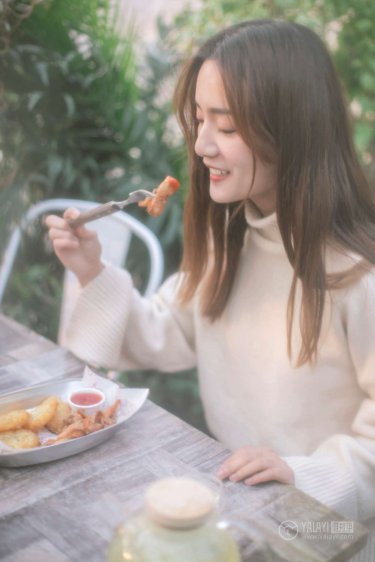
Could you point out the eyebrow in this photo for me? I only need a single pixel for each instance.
(216, 110)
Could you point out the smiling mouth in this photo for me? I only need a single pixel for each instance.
(218, 172)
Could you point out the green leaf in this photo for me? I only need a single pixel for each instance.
(70, 104)
(363, 135)
(33, 99)
(42, 70)
(55, 165)
(368, 81)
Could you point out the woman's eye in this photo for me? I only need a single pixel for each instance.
(227, 131)
(226, 127)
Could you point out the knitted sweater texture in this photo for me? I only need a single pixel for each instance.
(320, 418)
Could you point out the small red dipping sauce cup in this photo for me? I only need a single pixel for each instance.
(87, 399)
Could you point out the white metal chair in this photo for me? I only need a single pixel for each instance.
(115, 233)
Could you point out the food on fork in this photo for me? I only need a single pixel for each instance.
(155, 205)
(16, 419)
(20, 439)
(42, 414)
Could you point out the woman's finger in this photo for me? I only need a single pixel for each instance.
(86, 233)
(279, 473)
(61, 224)
(249, 469)
(55, 233)
(71, 213)
(65, 244)
(264, 476)
(236, 461)
(243, 456)
(53, 221)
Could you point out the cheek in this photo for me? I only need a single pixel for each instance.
(242, 156)
(267, 175)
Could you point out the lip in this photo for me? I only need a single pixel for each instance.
(217, 177)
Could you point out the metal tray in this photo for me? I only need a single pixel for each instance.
(32, 396)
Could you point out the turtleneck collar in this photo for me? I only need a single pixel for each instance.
(264, 229)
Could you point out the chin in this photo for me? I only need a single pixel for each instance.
(228, 193)
(221, 196)
(224, 199)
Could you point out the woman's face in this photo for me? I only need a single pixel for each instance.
(228, 158)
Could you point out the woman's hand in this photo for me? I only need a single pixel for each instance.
(78, 249)
(256, 465)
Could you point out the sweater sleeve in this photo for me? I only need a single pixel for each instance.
(341, 471)
(113, 326)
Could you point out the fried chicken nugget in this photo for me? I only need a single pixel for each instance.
(16, 419)
(155, 205)
(60, 418)
(42, 414)
(20, 439)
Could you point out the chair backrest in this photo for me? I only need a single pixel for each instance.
(115, 233)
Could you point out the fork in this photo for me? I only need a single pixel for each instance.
(109, 208)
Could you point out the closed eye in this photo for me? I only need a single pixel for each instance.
(227, 131)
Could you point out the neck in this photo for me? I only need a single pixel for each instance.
(263, 210)
(266, 206)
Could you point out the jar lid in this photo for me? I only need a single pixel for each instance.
(179, 503)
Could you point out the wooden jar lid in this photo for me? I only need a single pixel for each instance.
(179, 503)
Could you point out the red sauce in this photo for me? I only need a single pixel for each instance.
(85, 398)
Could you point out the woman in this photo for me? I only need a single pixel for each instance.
(275, 300)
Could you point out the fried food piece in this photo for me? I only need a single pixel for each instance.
(60, 418)
(73, 434)
(42, 414)
(77, 429)
(20, 439)
(109, 413)
(155, 205)
(16, 419)
(81, 424)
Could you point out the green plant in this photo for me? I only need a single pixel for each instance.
(75, 121)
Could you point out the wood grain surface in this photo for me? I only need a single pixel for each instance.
(67, 510)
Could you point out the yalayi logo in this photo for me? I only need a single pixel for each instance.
(288, 530)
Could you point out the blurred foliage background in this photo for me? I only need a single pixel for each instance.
(85, 113)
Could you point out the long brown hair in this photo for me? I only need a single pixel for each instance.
(288, 106)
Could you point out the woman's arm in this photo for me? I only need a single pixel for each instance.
(341, 472)
(113, 326)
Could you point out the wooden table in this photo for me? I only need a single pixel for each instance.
(66, 510)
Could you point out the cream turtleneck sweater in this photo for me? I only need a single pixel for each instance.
(320, 419)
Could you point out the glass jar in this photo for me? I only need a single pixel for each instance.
(178, 523)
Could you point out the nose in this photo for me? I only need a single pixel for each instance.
(205, 144)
